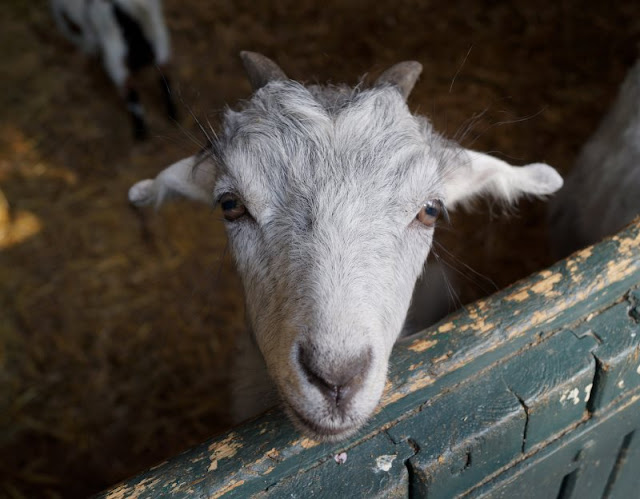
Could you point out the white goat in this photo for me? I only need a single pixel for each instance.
(128, 35)
(330, 197)
(602, 193)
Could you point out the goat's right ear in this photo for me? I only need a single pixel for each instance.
(192, 178)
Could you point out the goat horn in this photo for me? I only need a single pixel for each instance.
(260, 69)
(402, 75)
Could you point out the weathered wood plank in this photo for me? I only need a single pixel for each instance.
(553, 381)
(617, 355)
(624, 480)
(462, 435)
(374, 469)
(569, 466)
(444, 361)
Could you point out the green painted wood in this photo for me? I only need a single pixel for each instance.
(625, 477)
(617, 355)
(456, 390)
(553, 380)
(580, 465)
(462, 435)
(374, 469)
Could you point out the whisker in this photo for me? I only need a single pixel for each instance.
(481, 277)
(460, 68)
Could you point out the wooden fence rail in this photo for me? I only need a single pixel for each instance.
(532, 392)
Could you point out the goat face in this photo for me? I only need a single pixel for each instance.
(330, 198)
(321, 209)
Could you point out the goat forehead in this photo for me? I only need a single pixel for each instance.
(287, 146)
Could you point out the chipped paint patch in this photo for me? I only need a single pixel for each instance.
(621, 384)
(520, 296)
(546, 287)
(420, 382)
(445, 328)
(307, 443)
(273, 454)
(413, 367)
(233, 484)
(584, 254)
(627, 244)
(223, 450)
(120, 492)
(572, 395)
(384, 463)
(441, 358)
(539, 317)
(587, 391)
(123, 491)
(422, 345)
(390, 398)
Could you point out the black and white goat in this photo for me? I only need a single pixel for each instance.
(127, 35)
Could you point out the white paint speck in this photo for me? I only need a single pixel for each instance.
(587, 392)
(633, 335)
(638, 370)
(340, 458)
(383, 463)
(573, 395)
(621, 383)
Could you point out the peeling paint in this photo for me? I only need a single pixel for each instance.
(119, 492)
(307, 443)
(627, 244)
(546, 287)
(384, 463)
(445, 328)
(123, 491)
(273, 454)
(582, 255)
(422, 345)
(224, 449)
(441, 358)
(520, 296)
(233, 484)
(540, 317)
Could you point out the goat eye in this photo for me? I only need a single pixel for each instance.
(430, 212)
(232, 207)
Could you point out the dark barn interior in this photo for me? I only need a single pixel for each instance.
(116, 325)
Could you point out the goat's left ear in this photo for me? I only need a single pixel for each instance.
(477, 174)
(192, 178)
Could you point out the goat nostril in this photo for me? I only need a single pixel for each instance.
(337, 385)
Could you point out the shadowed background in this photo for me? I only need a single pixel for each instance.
(115, 325)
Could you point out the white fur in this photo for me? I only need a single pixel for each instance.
(333, 181)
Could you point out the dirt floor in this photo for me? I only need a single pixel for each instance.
(115, 325)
